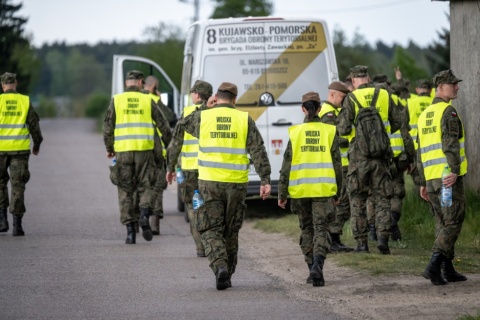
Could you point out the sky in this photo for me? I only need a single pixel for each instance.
(92, 21)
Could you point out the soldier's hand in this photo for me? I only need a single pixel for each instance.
(110, 155)
(212, 101)
(398, 73)
(170, 176)
(265, 191)
(424, 193)
(282, 203)
(450, 179)
(36, 150)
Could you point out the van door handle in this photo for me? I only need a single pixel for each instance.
(282, 122)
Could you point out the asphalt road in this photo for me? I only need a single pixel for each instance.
(73, 262)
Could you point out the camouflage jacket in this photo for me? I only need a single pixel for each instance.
(33, 123)
(452, 132)
(331, 118)
(110, 119)
(283, 181)
(255, 146)
(175, 146)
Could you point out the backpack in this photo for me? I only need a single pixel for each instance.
(370, 133)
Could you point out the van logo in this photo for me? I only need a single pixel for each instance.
(266, 99)
(277, 146)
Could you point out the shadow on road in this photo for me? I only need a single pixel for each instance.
(258, 208)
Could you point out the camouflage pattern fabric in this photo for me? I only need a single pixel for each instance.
(314, 216)
(187, 188)
(342, 209)
(161, 181)
(19, 176)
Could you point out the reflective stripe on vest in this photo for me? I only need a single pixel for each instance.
(415, 108)
(134, 129)
(430, 133)
(14, 133)
(396, 143)
(189, 153)
(312, 174)
(326, 108)
(222, 154)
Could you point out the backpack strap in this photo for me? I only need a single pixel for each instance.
(376, 93)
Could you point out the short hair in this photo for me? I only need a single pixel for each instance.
(226, 95)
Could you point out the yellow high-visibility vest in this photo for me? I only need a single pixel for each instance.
(326, 108)
(430, 133)
(222, 154)
(14, 133)
(415, 108)
(189, 153)
(134, 125)
(156, 98)
(312, 174)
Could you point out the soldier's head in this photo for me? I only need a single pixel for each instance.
(201, 91)
(226, 93)
(348, 83)
(337, 90)
(151, 84)
(9, 81)
(311, 104)
(134, 78)
(359, 75)
(447, 85)
(423, 86)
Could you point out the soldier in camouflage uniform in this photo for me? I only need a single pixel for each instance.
(311, 174)
(368, 174)
(18, 121)
(337, 91)
(200, 93)
(441, 142)
(128, 134)
(225, 136)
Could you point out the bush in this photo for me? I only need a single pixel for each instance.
(46, 108)
(97, 105)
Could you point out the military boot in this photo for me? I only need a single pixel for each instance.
(396, 235)
(17, 227)
(433, 270)
(131, 235)
(337, 245)
(362, 246)
(155, 224)
(145, 225)
(449, 272)
(309, 279)
(222, 278)
(382, 245)
(317, 271)
(3, 220)
(373, 233)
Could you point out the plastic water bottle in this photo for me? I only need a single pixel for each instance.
(114, 161)
(446, 192)
(180, 175)
(197, 200)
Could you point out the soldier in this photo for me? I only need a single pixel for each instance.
(225, 136)
(337, 91)
(18, 121)
(311, 174)
(441, 142)
(128, 133)
(368, 173)
(188, 146)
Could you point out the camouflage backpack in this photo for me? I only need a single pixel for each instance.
(370, 133)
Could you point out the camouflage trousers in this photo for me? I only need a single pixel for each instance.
(187, 188)
(161, 181)
(448, 220)
(19, 176)
(369, 176)
(314, 216)
(219, 221)
(136, 178)
(342, 210)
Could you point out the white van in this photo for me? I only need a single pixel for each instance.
(273, 62)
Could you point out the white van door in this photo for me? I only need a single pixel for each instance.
(122, 64)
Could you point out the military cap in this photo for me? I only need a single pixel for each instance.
(445, 76)
(359, 72)
(424, 83)
(134, 75)
(202, 87)
(381, 78)
(310, 96)
(230, 87)
(339, 86)
(8, 78)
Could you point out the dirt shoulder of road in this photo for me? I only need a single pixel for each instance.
(353, 294)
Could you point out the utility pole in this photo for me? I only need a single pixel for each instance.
(196, 8)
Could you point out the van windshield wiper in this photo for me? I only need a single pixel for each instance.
(288, 103)
(253, 104)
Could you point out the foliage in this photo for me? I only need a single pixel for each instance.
(97, 105)
(17, 56)
(242, 8)
(438, 54)
(46, 108)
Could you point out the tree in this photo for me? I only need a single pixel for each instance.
(439, 52)
(16, 54)
(242, 8)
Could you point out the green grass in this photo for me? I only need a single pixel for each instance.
(470, 317)
(409, 256)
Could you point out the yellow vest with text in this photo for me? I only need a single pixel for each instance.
(415, 108)
(156, 98)
(312, 174)
(189, 153)
(222, 154)
(14, 132)
(430, 134)
(326, 108)
(134, 128)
